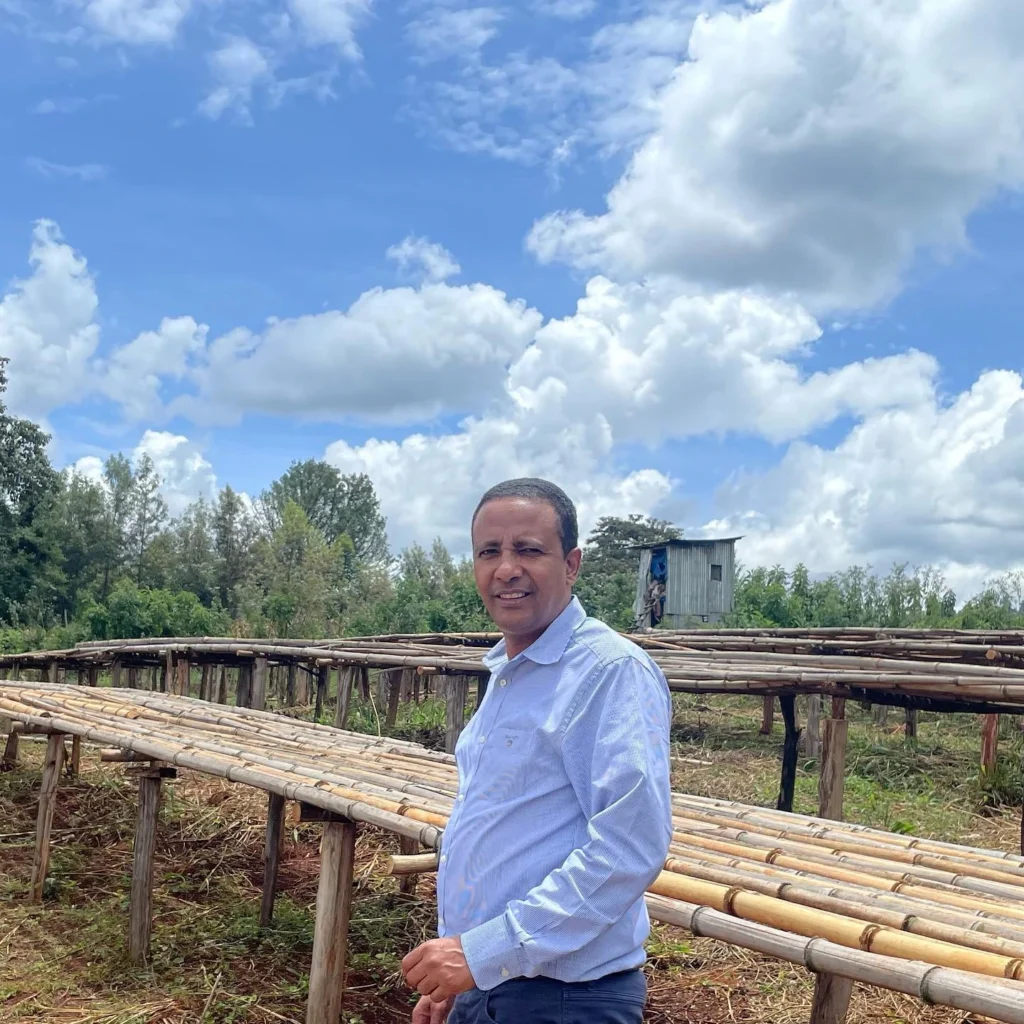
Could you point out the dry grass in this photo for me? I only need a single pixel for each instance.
(65, 961)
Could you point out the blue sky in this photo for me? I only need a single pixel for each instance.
(795, 251)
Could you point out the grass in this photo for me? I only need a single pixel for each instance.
(65, 961)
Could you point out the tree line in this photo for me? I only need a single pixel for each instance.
(98, 559)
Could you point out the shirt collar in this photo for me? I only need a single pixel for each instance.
(550, 645)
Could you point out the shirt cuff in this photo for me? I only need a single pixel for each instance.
(492, 953)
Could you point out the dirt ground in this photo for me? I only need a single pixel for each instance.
(65, 961)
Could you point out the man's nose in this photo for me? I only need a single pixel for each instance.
(509, 569)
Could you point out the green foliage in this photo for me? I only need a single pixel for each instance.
(133, 612)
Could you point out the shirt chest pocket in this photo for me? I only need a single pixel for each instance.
(504, 763)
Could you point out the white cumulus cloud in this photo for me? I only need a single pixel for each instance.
(237, 67)
(48, 328)
(137, 21)
(421, 256)
(814, 147)
(184, 471)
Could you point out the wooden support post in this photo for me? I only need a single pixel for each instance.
(989, 743)
(879, 714)
(75, 765)
(767, 716)
(393, 683)
(183, 672)
(833, 763)
(133, 677)
(204, 683)
(289, 693)
(330, 936)
(271, 856)
(455, 710)
(323, 679)
(222, 684)
(243, 690)
(10, 759)
(140, 922)
(408, 847)
(259, 684)
(363, 678)
(812, 734)
(115, 673)
(44, 816)
(51, 672)
(167, 676)
(94, 675)
(911, 726)
(346, 681)
(831, 999)
(790, 749)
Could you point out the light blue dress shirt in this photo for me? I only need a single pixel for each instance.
(563, 816)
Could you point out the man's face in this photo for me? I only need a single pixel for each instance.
(521, 573)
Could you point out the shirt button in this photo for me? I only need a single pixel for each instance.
(444, 857)
(441, 922)
(504, 682)
(462, 796)
(504, 972)
(483, 739)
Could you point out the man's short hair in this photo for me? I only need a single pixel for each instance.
(539, 490)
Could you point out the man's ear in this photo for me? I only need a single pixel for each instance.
(572, 565)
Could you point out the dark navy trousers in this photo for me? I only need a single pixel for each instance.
(615, 999)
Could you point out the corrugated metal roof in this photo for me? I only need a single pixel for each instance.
(685, 542)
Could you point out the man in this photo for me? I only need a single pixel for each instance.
(563, 814)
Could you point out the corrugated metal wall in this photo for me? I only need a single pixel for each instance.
(691, 591)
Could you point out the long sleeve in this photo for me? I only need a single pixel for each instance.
(615, 753)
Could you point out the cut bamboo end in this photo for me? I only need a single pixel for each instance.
(412, 864)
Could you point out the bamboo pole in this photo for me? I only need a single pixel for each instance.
(44, 816)
(330, 936)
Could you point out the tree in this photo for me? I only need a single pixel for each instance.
(80, 529)
(146, 516)
(193, 563)
(29, 569)
(334, 503)
(233, 533)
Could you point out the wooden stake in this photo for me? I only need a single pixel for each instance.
(52, 672)
(44, 816)
(272, 856)
(330, 937)
(790, 750)
(167, 676)
(289, 695)
(768, 716)
(140, 923)
(10, 759)
(259, 684)
(204, 682)
(394, 689)
(94, 675)
(833, 767)
(243, 692)
(222, 684)
(323, 678)
(346, 680)
(911, 727)
(989, 743)
(76, 757)
(409, 847)
(455, 710)
(812, 734)
(184, 677)
(831, 999)
(879, 714)
(115, 673)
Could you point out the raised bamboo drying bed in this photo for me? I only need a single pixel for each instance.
(941, 921)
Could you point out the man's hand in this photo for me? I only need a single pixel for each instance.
(438, 969)
(429, 1012)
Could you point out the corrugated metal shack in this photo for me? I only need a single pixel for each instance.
(684, 582)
